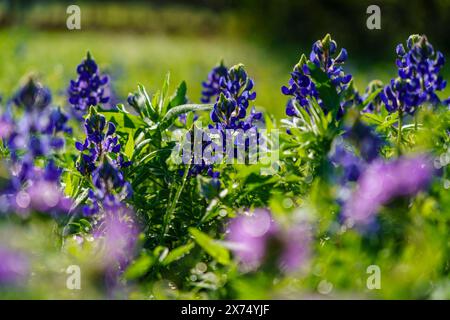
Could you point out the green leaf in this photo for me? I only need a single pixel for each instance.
(162, 97)
(178, 253)
(129, 147)
(176, 111)
(179, 97)
(370, 98)
(212, 247)
(122, 120)
(372, 118)
(149, 107)
(139, 267)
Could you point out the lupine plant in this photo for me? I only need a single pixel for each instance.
(361, 180)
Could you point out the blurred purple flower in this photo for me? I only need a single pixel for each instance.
(382, 182)
(14, 267)
(250, 235)
(296, 249)
(252, 238)
(119, 230)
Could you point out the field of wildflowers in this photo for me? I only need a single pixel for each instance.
(103, 198)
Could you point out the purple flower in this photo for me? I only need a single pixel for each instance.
(211, 87)
(90, 89)
(382, 182)
(418, 77)
(14, 267)
(36, 132)
(257, 238)
(100, 141)
(119, 230)
(364, 137)
(100, 158)
(33, 136)
(35, 189)
(296, 250)
(6, 125)
(249, 235)
(351, 165)
(301, 86)
(233, 93)
(33, 96)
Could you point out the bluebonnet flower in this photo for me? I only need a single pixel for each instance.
(256, 239)
(33, 136)
(233, 98)
(231, 89)
(119, 229)
(418, 77)
(301, 86)
(33, 96)
(100, 159)
(364, 137)
(89, 89)
(6, 125)
(36, 132)
(384, 181)
(14, 267)
(212, 87)
(100, 141)
(34, 189)
(352, 166)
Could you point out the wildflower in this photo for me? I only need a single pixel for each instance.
(33, 96)
(364, 137)
(233, 98)
(100, 159)
(100, 141)
(382, 182)
(36, 132)
(301, 86)
(14, 267)
(346, 159)
(119, 231)
(212, 87)
(232, 91)
(257, 238)
(90, 88)
(418, 77)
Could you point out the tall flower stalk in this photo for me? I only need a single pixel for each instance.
(418, 81)
(89, 89)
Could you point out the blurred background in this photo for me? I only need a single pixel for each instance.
(138, 42)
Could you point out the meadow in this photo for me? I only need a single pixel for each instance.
(356, 205)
